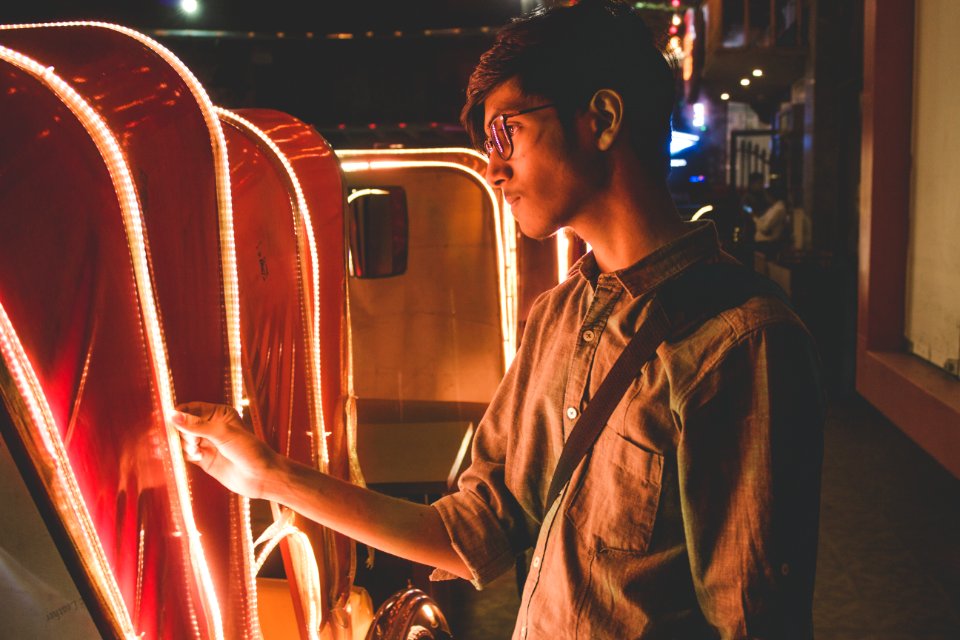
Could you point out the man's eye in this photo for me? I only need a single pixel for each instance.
(511, 128)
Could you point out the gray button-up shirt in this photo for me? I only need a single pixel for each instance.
(695, 515)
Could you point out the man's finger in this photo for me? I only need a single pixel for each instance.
(202, 410)
(207, 425)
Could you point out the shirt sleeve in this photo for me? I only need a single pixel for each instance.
(486, 523)
(483, 518)
(749, 465)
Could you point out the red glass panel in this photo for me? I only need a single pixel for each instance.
(67, 286)
(318, 170)
(276, 267)
(162, 131)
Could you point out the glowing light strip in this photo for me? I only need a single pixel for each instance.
(513, 275)
(314, 329)
(350, 153)
(350, 406)
(301, 548)
(563, 254)
(509, 224)
(61, 475)
(702, 211)
(506, 323)
(301, 552)
(224, 201)
(359, 193)
(120, 175)
(231, 286)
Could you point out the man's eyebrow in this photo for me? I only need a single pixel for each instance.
(494, 117)
(500, 113)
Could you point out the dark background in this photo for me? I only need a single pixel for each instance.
(360, 71)
(405, 62)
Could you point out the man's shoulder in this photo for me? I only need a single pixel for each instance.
(569, 291)
(693, 355)
(731, 326)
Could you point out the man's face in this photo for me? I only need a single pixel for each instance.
(550, 178)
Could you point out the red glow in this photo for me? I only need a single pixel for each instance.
(372, 125)
(402, 125)
(675, 3)
(673, 29)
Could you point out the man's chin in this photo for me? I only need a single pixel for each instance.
(533, 226)
(536, 233)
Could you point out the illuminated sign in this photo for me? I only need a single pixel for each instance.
(681, 141)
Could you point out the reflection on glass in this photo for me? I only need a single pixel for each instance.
(378, 232)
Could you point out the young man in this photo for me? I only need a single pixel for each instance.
(695, 513)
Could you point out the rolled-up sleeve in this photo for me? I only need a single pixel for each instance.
(476, 536)
(749, 463)
(484, 519)
(486, 523)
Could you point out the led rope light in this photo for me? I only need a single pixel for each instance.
(350, 406)
(314, 328)
(228, 259)
(61, 478)
(512, 275)
(349, 153)
(505, 273)
(509, 236)
(222, 175)
(563, 255)
(301, 548)
(119, 172)
(359, 193)
(301, 552)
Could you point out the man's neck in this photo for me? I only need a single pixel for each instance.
(633, 221)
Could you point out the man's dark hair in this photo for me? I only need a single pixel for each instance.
(564, 54)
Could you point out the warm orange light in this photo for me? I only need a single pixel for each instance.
(301, 550)
(314, 328)
(563, 254)
(133, 223)
(303, 558)
(359, 193)
(222, 173)
(25, 379)
(505, 230)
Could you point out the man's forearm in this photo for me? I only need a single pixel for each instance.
(402, 528)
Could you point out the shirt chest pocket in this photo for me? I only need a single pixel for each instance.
(613, 505)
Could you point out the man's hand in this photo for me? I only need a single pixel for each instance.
(216, 440)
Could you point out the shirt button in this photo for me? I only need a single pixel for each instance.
(536, 562)
(571, 412)
(588, 336)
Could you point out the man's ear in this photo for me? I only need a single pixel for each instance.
(606, 109)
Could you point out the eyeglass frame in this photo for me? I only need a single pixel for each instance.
(493, 140)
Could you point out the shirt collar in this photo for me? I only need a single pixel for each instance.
(698, 243)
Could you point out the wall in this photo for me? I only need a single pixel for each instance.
(932, 320)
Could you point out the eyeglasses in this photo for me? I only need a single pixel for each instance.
(501, 133)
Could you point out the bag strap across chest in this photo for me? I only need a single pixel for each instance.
(699, 293)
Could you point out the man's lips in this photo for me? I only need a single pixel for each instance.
(511, 198)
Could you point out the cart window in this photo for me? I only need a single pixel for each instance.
(378, 232)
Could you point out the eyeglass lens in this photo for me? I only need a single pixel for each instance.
(501, 138)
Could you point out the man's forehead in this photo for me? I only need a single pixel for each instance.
(504, 98)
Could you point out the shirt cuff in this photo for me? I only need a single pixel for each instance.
(476, 536)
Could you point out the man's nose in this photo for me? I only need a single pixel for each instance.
(498, 171)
